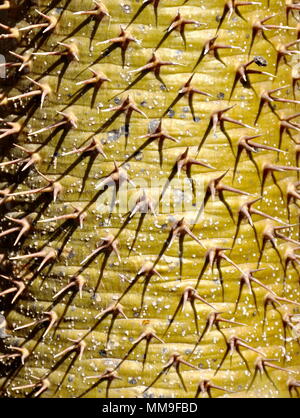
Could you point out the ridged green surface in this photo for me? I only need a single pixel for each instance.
(216, 228)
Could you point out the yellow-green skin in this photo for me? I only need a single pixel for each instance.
(215, 228)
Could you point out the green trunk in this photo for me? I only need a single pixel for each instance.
(143, 239)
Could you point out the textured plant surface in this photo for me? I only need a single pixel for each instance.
(88, 330)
